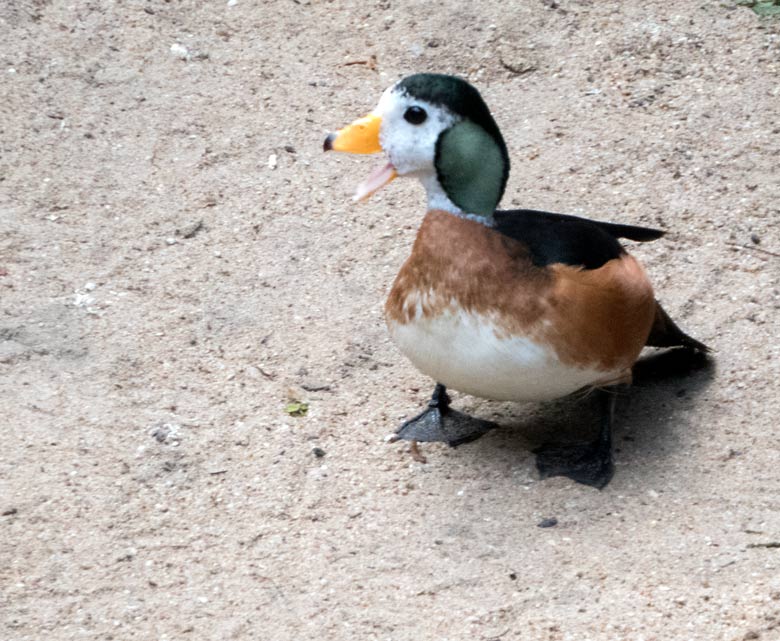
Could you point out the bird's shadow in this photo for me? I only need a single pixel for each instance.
(652, 416)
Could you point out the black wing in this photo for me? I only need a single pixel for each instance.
(559, 238)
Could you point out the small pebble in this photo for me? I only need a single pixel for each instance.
(165, 433)
(272, 161)
(318, 452)
(550, 522)
(180, 51)
(755, 239)
(314, 385)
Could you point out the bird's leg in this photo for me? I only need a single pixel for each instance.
(439, 399)
(439, 422)
(587, 463)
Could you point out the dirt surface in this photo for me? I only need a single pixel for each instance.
(179, 262)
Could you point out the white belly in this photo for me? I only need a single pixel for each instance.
(464, 352)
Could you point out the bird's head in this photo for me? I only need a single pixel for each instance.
(439, 129)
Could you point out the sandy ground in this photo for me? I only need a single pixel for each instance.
(179, 261)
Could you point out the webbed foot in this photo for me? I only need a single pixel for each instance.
(586, 463)
(441, 423)
(451, 427)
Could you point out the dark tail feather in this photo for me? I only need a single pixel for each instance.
(632, 232)
(665, 333)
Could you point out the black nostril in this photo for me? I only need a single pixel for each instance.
(328, 144)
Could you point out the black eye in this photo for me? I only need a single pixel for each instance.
(415, 115)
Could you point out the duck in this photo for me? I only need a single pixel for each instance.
(509, 305)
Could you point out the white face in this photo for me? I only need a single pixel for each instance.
(411, 148)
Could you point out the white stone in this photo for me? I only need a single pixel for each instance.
(180, 51)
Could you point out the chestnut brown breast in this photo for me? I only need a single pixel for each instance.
(597, 318)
